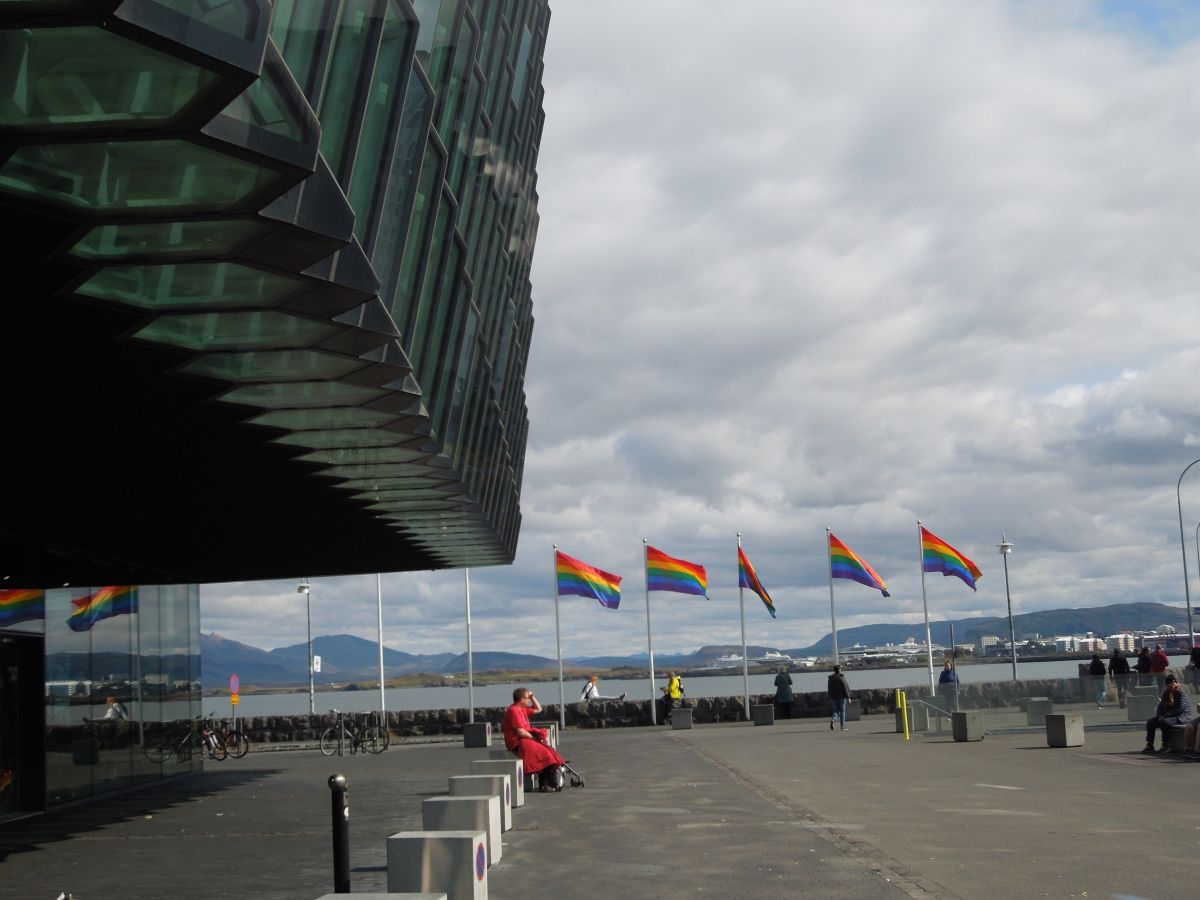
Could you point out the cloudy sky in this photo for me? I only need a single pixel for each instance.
(805, 264)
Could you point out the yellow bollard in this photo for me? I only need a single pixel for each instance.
(904, 711)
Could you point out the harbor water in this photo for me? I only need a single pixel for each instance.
(496, 695)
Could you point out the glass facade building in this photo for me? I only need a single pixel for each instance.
(268, 314)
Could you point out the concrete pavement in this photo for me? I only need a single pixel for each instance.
(719, 811)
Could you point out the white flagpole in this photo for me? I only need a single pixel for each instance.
(141, 713)
(470, 655)
(379, 632)
(925, 603)
(649, 640)
(562, 696)
(745, 655)
(832, 611)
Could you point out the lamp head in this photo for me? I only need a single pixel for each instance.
(303, 588)
(1005, 546)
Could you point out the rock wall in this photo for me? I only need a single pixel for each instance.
(631, 713)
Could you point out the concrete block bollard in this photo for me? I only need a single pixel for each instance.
(918, 720)
(681, 718)
(853, 711)
(512, 767)
(551, 726)
(762, 714)
(501, 754)
(1064, 730)
(388, 896)
(466, 814)
(1037, 709)
(486, 785)
(477, 734)
(451, 861)
(1141, 707)
(967, 726)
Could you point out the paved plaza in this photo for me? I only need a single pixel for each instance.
(718, 811)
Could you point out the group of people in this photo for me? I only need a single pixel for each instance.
(1149, 668)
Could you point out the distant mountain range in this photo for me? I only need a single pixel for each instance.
(345, 658)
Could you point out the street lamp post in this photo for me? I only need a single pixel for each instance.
(1187, 596)
(1005, 548)
(306, 589)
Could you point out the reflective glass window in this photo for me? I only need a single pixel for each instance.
(236, 18)
(300, 394)
(300, 31)
(180, 285)
(424, 205)
(165, 239)
(339, 456)
(69, 742)
(355, 39)
(235, 330)
(272, 365)
(265, 104)
(344, 437)
(336, 417)
(436, 264)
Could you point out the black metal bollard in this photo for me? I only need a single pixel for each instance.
(341, 834)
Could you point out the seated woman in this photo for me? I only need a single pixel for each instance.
(529, 743)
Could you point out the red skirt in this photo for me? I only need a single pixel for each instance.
(537, 756)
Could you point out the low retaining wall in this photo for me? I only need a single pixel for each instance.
(632, 713)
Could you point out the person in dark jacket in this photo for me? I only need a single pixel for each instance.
(783, 695)
(1159, 663)
(1118, 671)
(1097, 672)
(948, 686)
(1194, 667)
(1143, 666)
(839, 697)
(1173, 709)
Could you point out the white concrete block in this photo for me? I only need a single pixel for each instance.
(484, 785)
(454, 862)
(513, 767)
(466, 814)
(681, 718)
(477, 734)
(1064, 730)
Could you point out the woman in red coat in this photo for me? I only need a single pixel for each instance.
(529, 743)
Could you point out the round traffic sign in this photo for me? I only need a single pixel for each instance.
(234, 684)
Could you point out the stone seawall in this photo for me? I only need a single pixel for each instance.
(632, 713)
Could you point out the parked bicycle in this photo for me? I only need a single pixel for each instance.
(348, 734)
(180, 742)
(235, 742)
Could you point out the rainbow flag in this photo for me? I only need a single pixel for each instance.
(21, 605)
(582, 580)
(665, 573)
(748, 578)
(102, 603)
(938, 556)
(845, 563)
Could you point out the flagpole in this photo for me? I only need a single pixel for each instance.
(649, 640)
(562, 697)
(745, 655)
(470, 655)
(382, 676)
(925, 604)
(140, 712)
(832, 611)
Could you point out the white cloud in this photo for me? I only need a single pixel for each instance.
(848, 264)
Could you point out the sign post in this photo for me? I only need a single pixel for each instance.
(235, 685)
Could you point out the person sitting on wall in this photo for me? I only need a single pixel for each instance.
(672, 694)
(591, 691)
(1173, 709)
(529, 743)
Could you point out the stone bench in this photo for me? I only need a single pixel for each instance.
(513, 768)
(453, 862)
(486, 786)
(466, 814)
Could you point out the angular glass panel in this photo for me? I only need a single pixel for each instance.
(233, 17)
(339, 456)
(415, 505)
(335, 417)
(88, 75)
(418, 472)
(299, 29)
(272, 365)
(265, 105)
(382, 495)
(300, 394)
(133, 175)
(357, 33)
(235, 331)
(180, 285)
(165, 239)
(345, 437)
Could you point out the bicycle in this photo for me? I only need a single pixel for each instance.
(180, 743)
(235, 742)
(366, 736)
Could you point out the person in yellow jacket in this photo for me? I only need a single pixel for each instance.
(672, 694)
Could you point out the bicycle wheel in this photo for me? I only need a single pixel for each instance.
(215, 746)
(237, 744)
(159, 752)
(329, 741)
(374, 739)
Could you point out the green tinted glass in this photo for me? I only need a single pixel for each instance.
(386, 484)
(132, 175)
(418, 472)
(344, 437)
(235, 330)
(341, 456)
(87, 75)
(164, 239)
(415, 505)
(334, 417)
(264, 105)
(234, 17)
(355, 35)
(179, 285)
(272, 365)
(300, 394)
